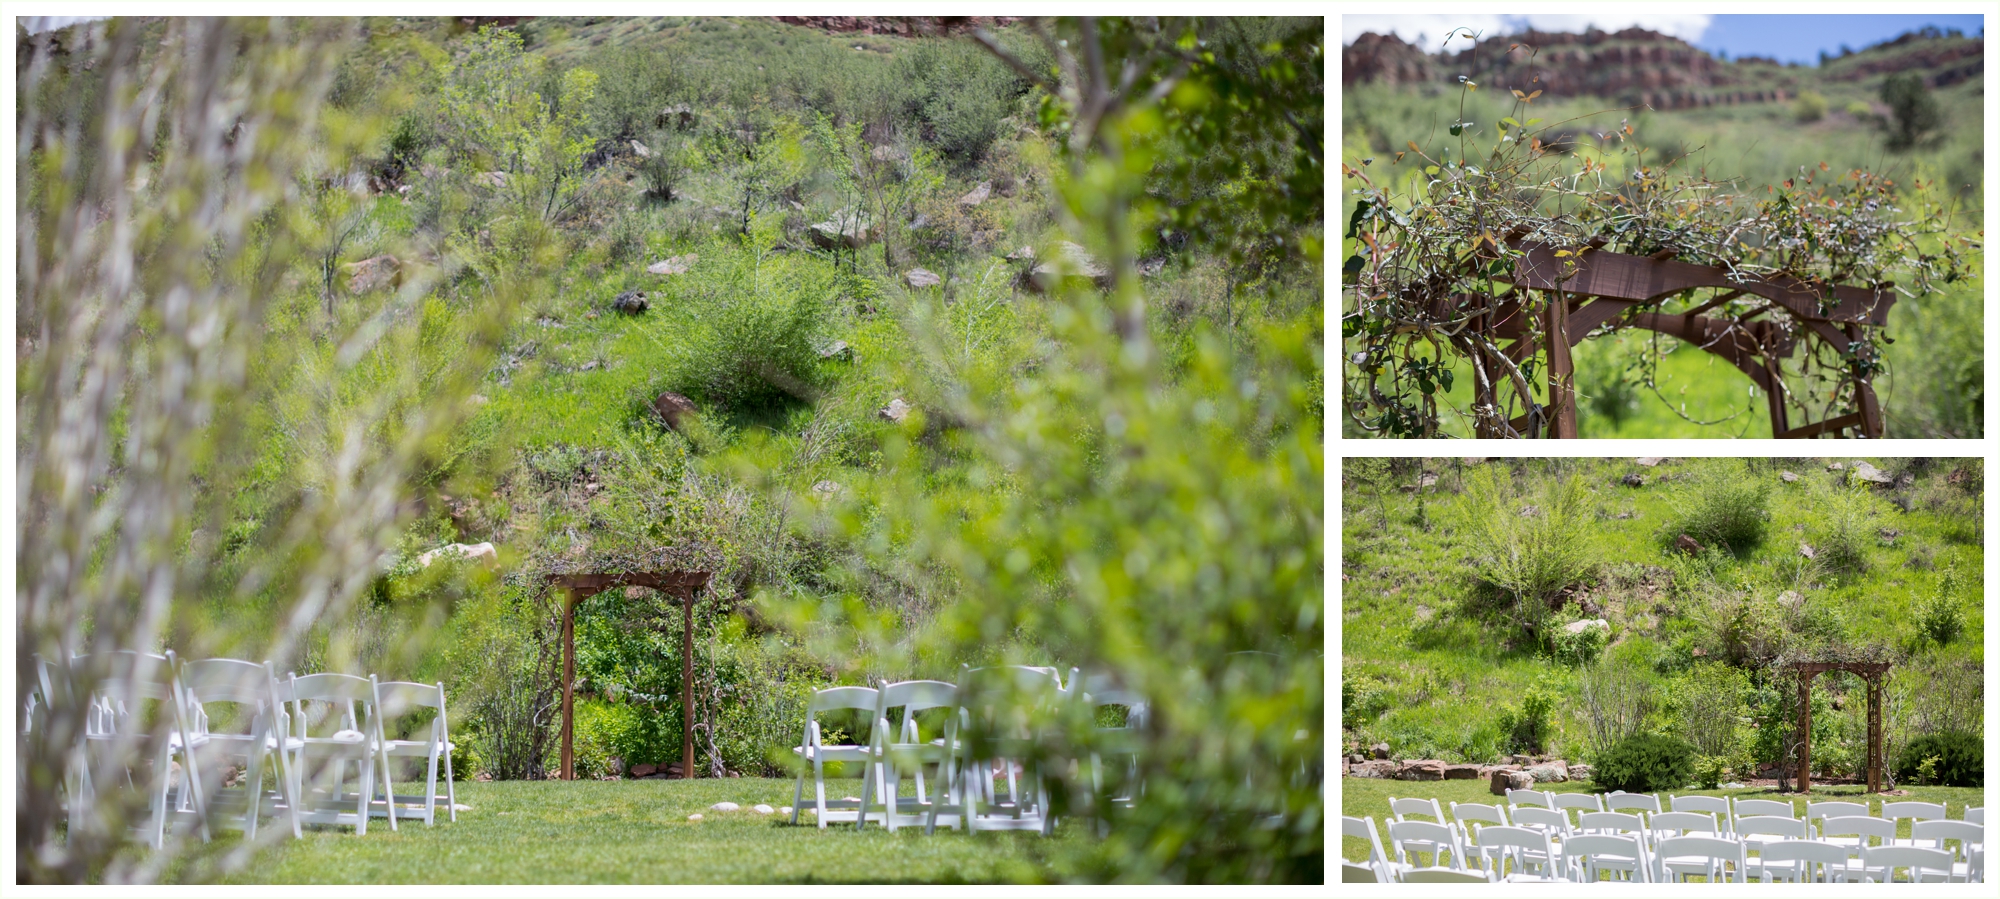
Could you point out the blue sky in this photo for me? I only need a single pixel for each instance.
(1787, 38)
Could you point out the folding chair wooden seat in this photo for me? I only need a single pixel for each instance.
(815, 754)
(394, 700)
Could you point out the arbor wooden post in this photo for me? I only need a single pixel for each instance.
(1870, 672)
(579, 587)
(1562, 370)
(1806, 674)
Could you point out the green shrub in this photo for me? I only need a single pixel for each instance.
(1527, 728)
(1810, 107)
(1951, 759)
(746, 332)
(1725, 506)
(1913, 112)
(1643, 763)
(1362, 700)
(1841, 534)
(1536, 548)
(959, 94)
(1575, 649)
(1940, 618)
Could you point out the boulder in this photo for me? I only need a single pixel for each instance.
(491, 179)
(1381, 768)
(1578, 627)
(1650, 461)
(1788, 477)
(1634, 479)
(483, 553)
(762, 809)
(824, 489)
(836, 349)
(1071, 262)
(1579, 772)
(1806, 549)
(673, 408)
(673, 265)
(1422, 769)
(724, 807)
(679, 118)
(645, 769)
(921, 278)
(1866, 472)
(1502, 781)
(1461, 772)
(1547, 774)
(374, 273)
(1687, 544)
(978, 194)
(896, 411)
(1835, 466)
(631, 302)
(851, 230)
(1379, 750)
(643, 151)
(885, 153)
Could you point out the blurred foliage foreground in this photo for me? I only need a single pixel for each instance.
(224, 454)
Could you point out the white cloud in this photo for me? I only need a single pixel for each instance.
(1428, 30)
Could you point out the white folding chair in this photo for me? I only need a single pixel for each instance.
(1465, 814)
(1530, 849)
(1098, 690)
(1716, 857)
(1669, 825)
(895, 750)
(251, 688)
(1760, 808)
(1915, 811)
(1619, 801)
(1363, 828)
(393, 701)
(1753, 830)
(1852, 834)
(1818, 811)
(1976, 814)
(1536, 798)
(1548, 821)
(1713, 805)
(1582, 803)
(1970, 837)
(1589, 855)
(1879, 863)
(1445, 875)
(1410, 838)
(815, 754)
(1003, 700)
(1351, 872)
(319, 763)
(1408, 809)
(116, 734)
(1802, 861)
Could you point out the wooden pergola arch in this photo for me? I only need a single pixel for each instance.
(1594, 287)
(1873, 673)
(579, 587)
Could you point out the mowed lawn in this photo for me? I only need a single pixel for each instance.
(1369, 797)
(637, 831)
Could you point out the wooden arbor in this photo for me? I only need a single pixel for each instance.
(1872, 672)
(1593, 287)
(579, 587)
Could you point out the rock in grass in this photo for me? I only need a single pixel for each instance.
(922, 277)
(1649, 461)
(896, 411)
(724, 807)
(694, 817)
(631, 302)
(475, 552)
(1788, 477)
(673, 408)
(785, 810)
(461, 807)
(644, 769)
(762, 809)
(978, 194)
(1688, 545)
(1866, 472)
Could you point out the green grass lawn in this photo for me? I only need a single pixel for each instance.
(639, 832)
(1369, 797)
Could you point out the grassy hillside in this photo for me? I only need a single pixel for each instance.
(1433, 656)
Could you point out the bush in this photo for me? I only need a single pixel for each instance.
(1725, 506)
(1537, 548)
(960, 94)
(1810, 107)
(750, 329)
(1527, 729)
(1362, 700)
(1841, 533)
(1950, 759)
(1913, 112)
(1573, 649)
(1940, 618)
(1643, 763)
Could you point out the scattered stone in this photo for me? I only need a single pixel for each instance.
(978, 194)
(885, 153)
(1498, 782)
(728, 807)
(1578, 627)
(374, 273)
(646, 769)
(1461, 772)
(1422, 769)
(673, 265)
(1579, 772)
(1888, 535)
(642, 150)
(1699, 652)
(1788, 477)
(837, 349)
(1835, 466)
(1731, 786)
(826, 489)
(1805, 549)
(1424, 481)
(1379, 750)
(785, 810)
(1688, 545)
(850, 229)
(491, 179)
(695, 817)
(476, 552)
(921, 278)
(1791, 599)
(1650, 461)
(673, 408)
(1547, 774)
(680, 118)
(1024, 254)
(631, 302)
(482, 777)
(1871, 474)
(1378, 768)
(896, 411)
(1634, 479)
(1073, 261)
(763, 809)
(1519, 780)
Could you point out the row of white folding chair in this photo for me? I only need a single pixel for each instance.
(1380, 867)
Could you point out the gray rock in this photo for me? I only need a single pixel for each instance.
(1072, 262)
(896, 411)
(1578, 627)
(1422, 769)
(1579, 772)
(921, 278)
(1547, 774)
(680, 118)
(642, 150)
(851, 230)
(836, 349)
(631, 302)
(763, 809)
(978, 194)
(374, 273)
(1461, 772)
(1871, 474)
(1634, 479)
(724, 807)
(1788, 477)
(673, 265)
(1650, 461)
(673, 409)
(1379, 750)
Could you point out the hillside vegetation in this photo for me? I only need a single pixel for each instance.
(1462, 582)
(1748, 123)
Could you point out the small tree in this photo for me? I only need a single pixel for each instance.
(1913, 112)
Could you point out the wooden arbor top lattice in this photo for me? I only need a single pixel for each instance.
(578, 587)
(1594, 287)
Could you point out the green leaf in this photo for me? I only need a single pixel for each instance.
(1509, 120)
(1430, 170)
(1455, 129)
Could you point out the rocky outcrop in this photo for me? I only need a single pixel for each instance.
(1421, 769)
